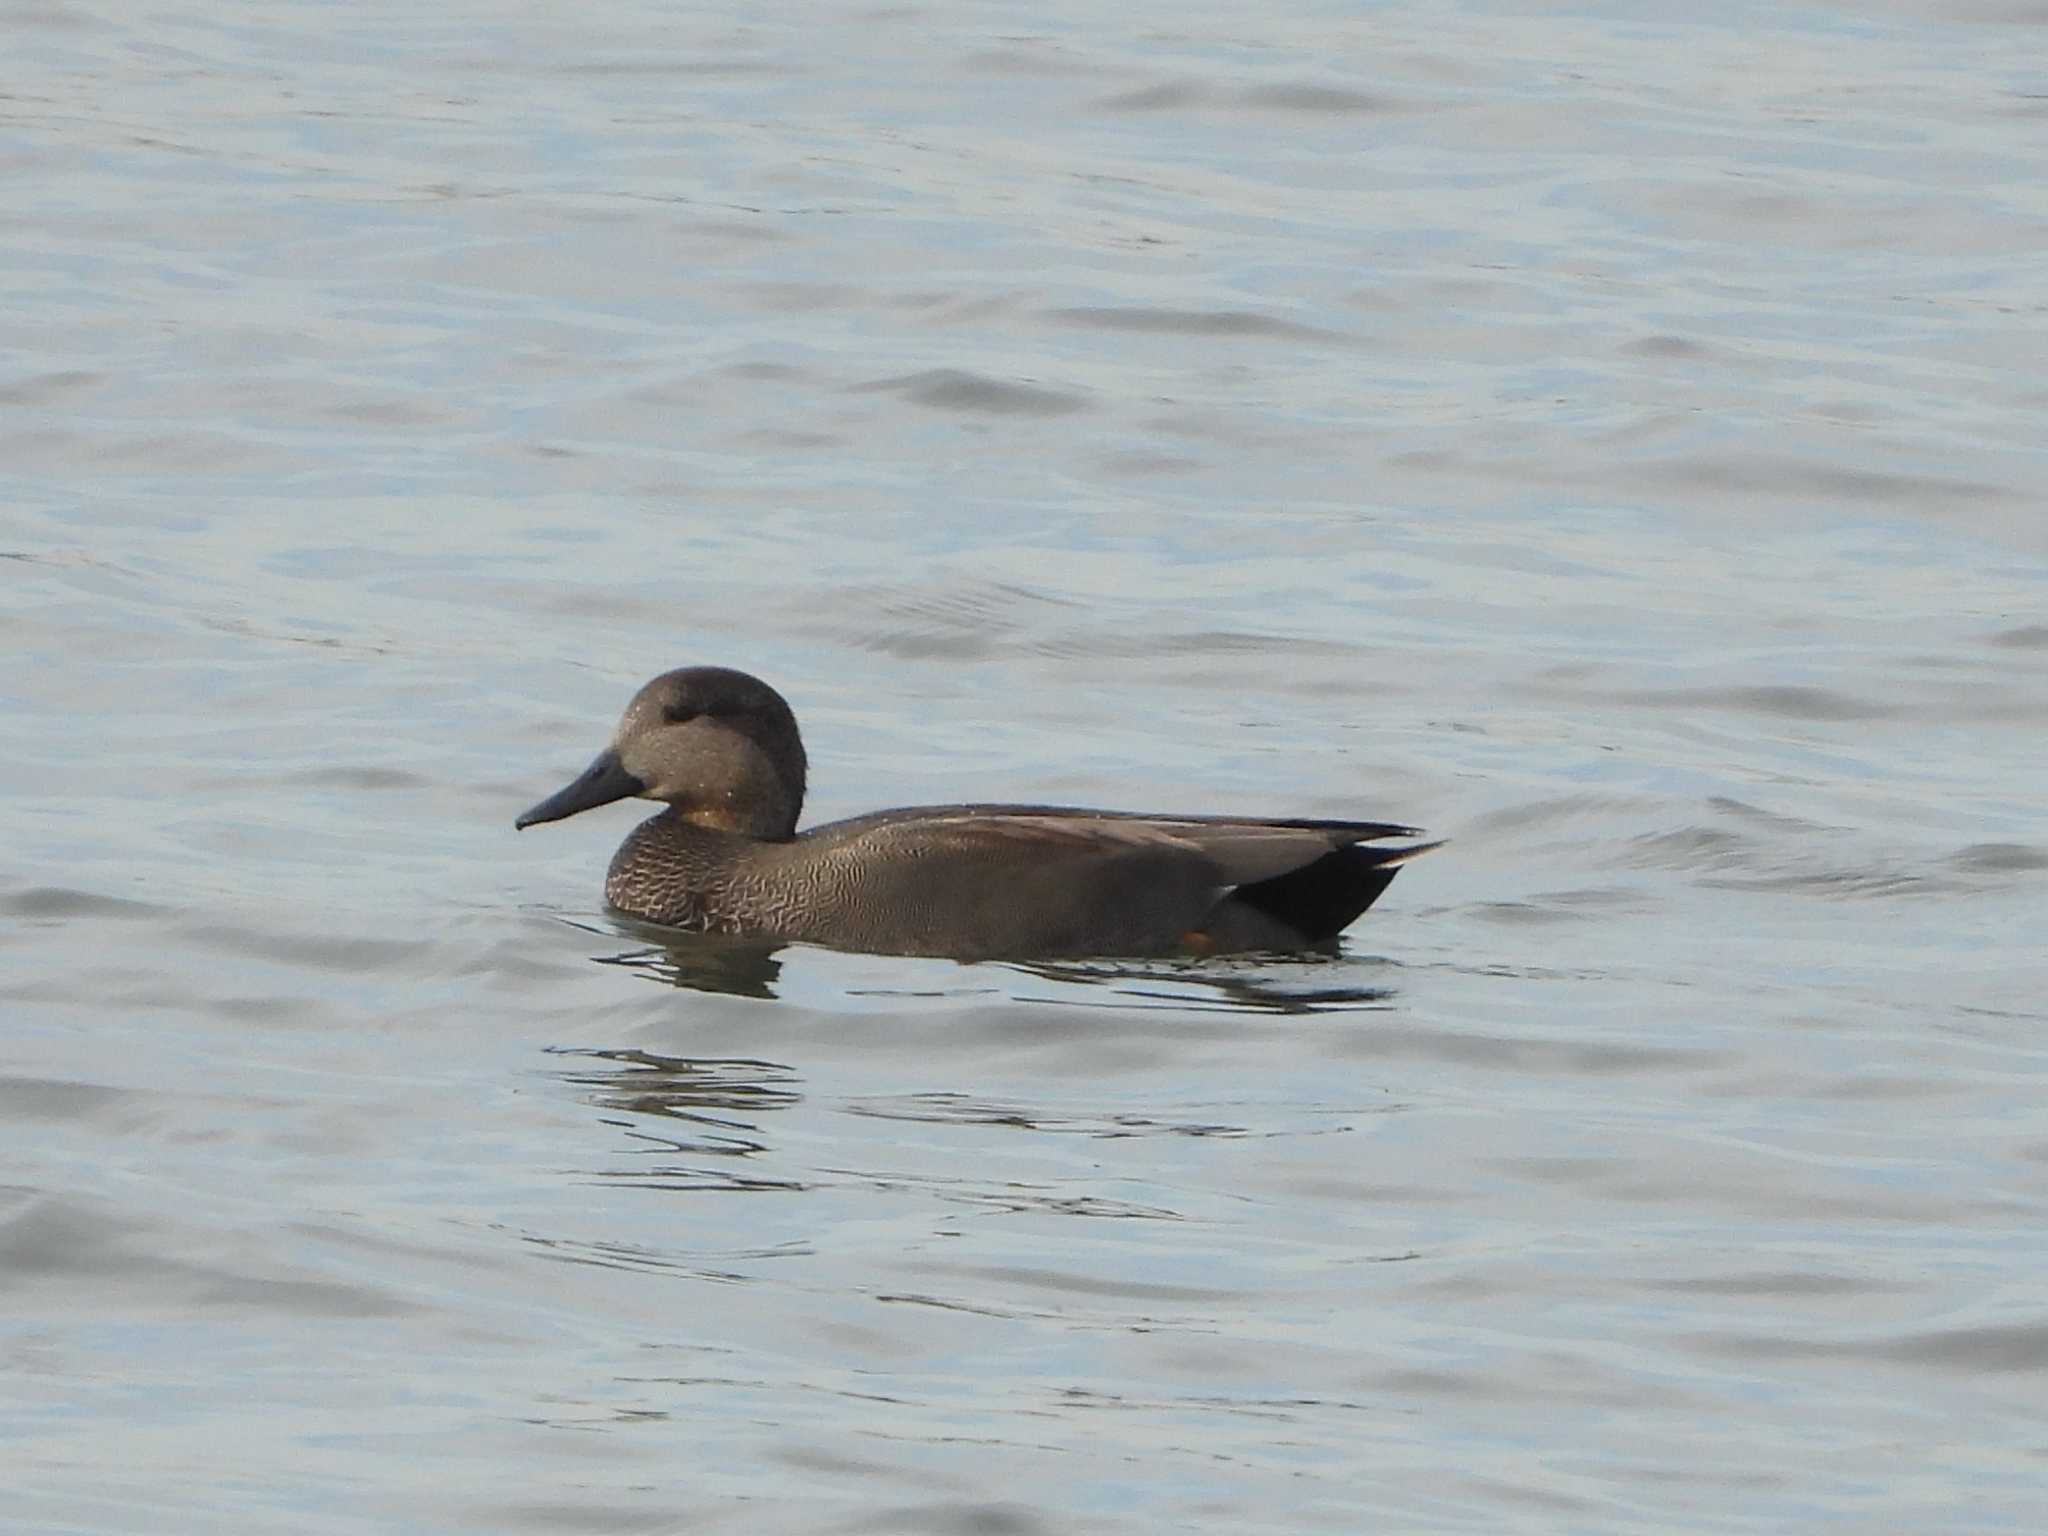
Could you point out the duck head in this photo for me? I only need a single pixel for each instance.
(717, 745)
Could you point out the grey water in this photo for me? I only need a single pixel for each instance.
(1609, 436)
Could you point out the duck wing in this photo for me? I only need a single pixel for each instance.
(1244, 850)
(975, 881)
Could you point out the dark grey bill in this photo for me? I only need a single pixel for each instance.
(601, 783)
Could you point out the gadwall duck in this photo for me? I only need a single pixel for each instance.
(968, 881)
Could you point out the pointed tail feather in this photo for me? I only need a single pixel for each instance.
(1322, 899)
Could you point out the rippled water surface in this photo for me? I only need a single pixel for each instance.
(1609, 438)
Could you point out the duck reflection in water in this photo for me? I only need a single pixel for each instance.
(735, 965)
(752, 967)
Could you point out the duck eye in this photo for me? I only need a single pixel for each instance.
(678, 713)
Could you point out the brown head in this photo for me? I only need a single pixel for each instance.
(719, 746)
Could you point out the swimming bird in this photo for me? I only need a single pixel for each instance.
(972, 882)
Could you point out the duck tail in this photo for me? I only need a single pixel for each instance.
(1322, 899)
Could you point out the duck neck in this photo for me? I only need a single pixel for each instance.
(756, 823)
